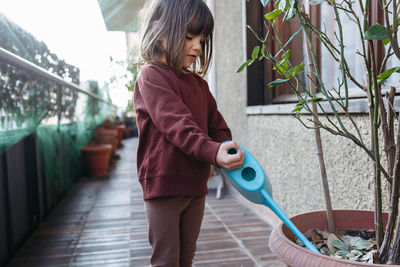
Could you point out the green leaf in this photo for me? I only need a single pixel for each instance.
(262, 52)
(298, 109)
(342, 253)
(295, 69)
(287, 54)
(315, 99)
(277, 81)
(386, 74)
(299, 67)
(255, 52)
(340, 245)
(265, 2)
(281, 69)
(285, 64)
(300, 103)
(316, 2)
(376, 32)
(360, 243)
(273, 14)
(385, 41)
(244, 65)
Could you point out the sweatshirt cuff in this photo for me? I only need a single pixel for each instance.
(208, 152)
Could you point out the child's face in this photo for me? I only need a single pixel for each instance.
(192, 49)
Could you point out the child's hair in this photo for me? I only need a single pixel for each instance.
(173, 20)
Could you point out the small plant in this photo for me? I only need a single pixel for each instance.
(307, 83)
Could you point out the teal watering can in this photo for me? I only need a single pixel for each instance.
(251, 181)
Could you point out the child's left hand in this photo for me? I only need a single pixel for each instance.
(229, 161)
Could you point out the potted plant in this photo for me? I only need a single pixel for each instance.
(328, 108)
(96, 158)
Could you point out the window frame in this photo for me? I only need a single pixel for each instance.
(263, 100)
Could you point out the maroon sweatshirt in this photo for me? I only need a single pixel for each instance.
(180, 131)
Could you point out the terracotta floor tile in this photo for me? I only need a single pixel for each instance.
(102, 222)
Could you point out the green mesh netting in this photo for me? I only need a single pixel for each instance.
(24, 98)
(62, 118)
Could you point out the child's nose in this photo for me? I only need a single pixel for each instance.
(197, 46)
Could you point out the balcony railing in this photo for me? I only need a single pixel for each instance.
(39, 162)
(23, 64)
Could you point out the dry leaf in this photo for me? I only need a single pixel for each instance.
(316, 237)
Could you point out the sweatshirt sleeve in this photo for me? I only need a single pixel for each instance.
(217, 127)
(172, 117)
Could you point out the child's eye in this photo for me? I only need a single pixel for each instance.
(189, 37)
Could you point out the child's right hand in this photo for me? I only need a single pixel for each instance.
(229, 161)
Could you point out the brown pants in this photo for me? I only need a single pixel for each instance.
(174, 225)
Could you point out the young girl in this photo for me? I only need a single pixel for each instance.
(181, 131)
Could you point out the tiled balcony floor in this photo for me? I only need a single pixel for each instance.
(101, 222)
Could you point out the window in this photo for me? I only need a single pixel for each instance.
(261, 73)
(330, 69)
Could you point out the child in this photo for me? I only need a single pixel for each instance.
(180, 129)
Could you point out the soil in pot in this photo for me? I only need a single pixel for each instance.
(282, 245)
(354, 245)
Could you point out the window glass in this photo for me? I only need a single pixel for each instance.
(393, 61)
(330, 68)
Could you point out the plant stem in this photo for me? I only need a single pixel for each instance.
(320, 153)
(378, 189)
(392, 33)
(342, 59)
(393, 209)
(317, 73)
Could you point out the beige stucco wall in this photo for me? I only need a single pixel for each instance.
(284, 148)
(230, 87)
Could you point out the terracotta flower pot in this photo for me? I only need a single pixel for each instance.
(96, 159)
(282, 245)
(120, 135)
(107, 136)
(127, 132)
(107, 124)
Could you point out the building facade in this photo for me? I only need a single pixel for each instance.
(261, 117)
(281, 144)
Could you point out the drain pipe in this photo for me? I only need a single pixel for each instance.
(212, 74)
(212, 84)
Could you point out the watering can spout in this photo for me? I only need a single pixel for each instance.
(251, 182)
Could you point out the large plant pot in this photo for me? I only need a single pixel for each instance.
(96, 158)
(282, 245)
(120, 135)
(107, 136)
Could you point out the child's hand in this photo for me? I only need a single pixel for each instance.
(229, 161)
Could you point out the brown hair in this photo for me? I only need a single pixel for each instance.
(172, 20)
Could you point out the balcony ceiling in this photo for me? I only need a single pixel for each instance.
(121, 15)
